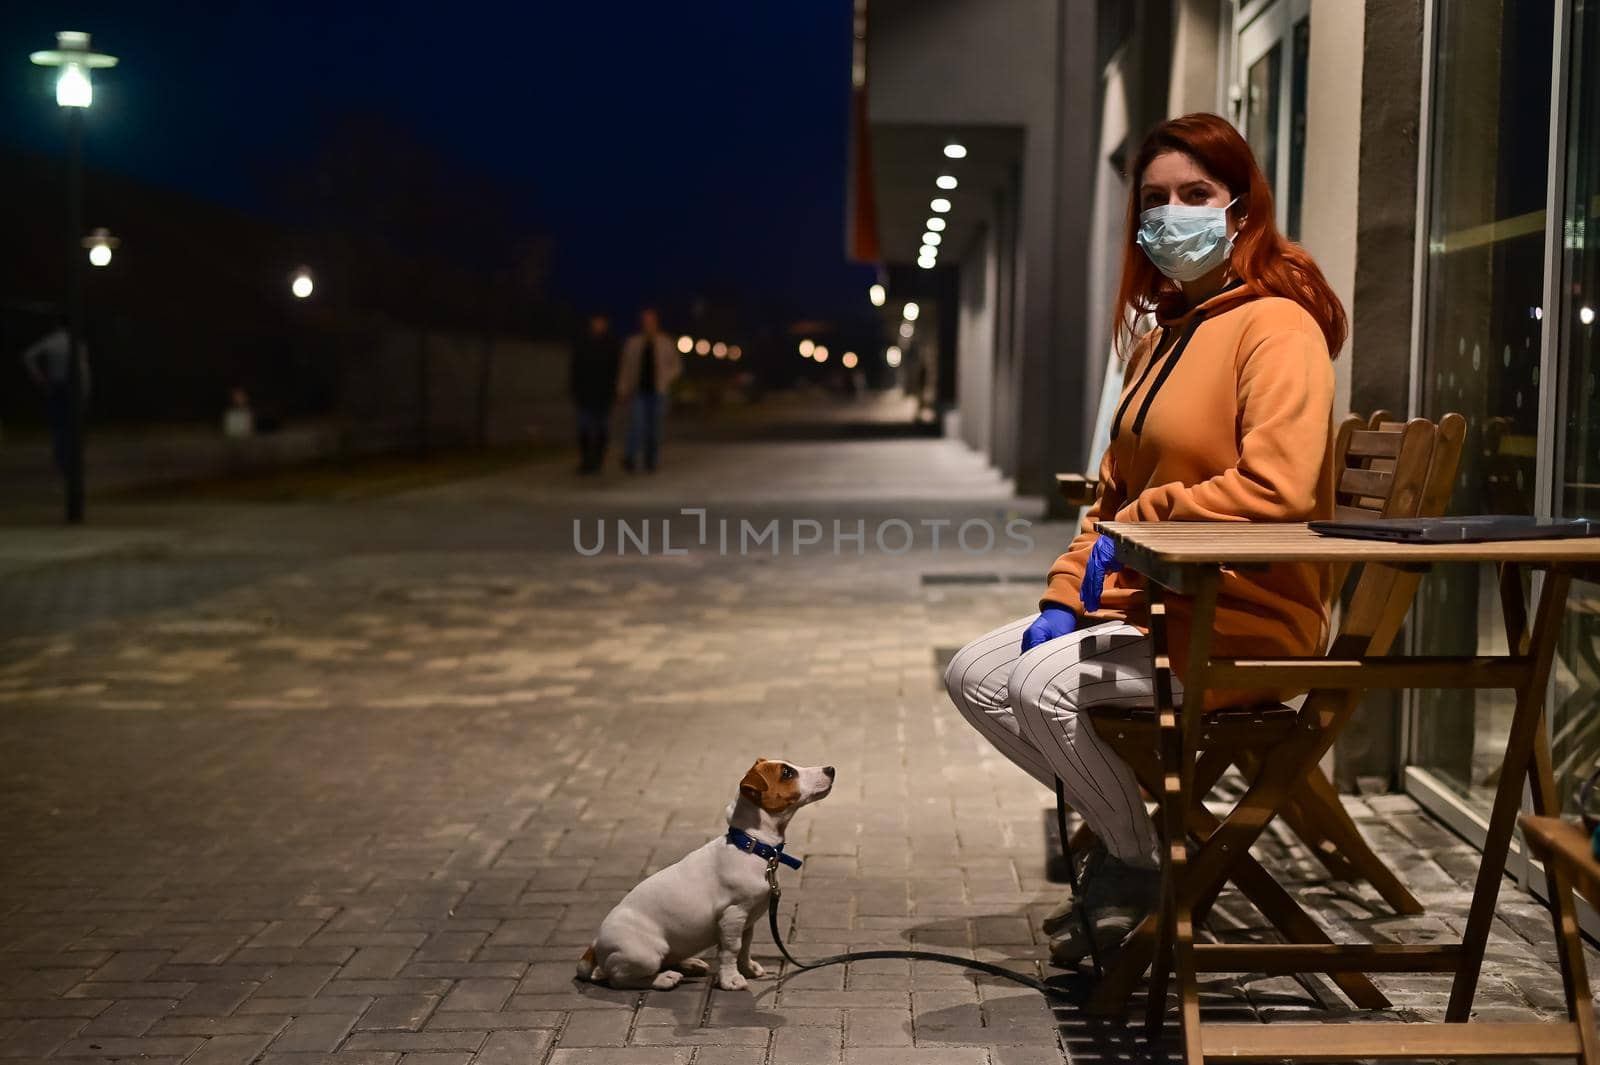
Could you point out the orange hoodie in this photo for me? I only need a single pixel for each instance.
(1240, 430)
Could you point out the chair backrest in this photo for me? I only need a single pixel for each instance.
(1392, 470)
(1388, 469)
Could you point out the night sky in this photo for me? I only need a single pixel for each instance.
(668, 148)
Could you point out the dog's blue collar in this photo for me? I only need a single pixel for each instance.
(767, 851)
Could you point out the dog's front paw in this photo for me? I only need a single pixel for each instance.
(694, 967)
(728, 980)
(752, 968)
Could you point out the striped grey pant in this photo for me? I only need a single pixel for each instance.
(1027, 705)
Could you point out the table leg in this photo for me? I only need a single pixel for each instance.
(1526, 722)
(1563, 910)
(1177, 796)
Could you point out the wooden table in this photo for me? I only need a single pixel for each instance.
(1188, 558)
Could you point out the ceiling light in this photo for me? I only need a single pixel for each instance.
(955, 150)
(927, 262)
(946, 181)
(936, 224)
(928, 251)
(910, 312)
(939, 205)
(877, 295)
(933, 238)
(892, 355)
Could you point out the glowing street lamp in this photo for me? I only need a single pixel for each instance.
(74, 58)
(74, 93)
(685, 345)
(910, 311)
(100, 244)
(877, 295)
(300, 284)
(893, 356)
(848, 359)
(807, 347)
(819, 353)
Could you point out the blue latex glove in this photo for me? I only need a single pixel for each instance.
(1102, 560)
(1053, 621)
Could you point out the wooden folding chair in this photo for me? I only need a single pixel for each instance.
(1365, 455)
(1279, 745)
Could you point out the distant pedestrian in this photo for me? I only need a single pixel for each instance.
(649, 366)
(593, 386)
(47, 361)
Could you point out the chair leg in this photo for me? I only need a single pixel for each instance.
(1286, 915)
(1317, 801)
(1264, 892)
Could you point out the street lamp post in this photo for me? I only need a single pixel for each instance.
(74, 93)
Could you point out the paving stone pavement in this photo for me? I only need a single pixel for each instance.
(363, 796)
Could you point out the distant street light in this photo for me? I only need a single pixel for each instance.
(74, 92)
(807, 347)
(819, 353)
(910, 311)
(719, 350)
(685, 345)
(301, 284)
(906, 329)
(848, 360)
(735, 353)
(877, 295)
(100, 244)
(893, 355)
(702, 346)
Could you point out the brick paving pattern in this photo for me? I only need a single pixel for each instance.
(362, 797)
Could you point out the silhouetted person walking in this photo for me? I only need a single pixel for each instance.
(649, 366)
(47, 360)
(593, 387)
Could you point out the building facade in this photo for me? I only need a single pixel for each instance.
(1439, 158)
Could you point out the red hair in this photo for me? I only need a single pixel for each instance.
(1266, 261)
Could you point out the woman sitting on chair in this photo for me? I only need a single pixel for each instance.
(1226, 415)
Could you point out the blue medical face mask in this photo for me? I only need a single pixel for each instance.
(1186, 243)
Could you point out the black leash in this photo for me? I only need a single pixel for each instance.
(869, 955)
(775, 892)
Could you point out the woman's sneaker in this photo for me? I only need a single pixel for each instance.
(1057, 920)
(1117, 898)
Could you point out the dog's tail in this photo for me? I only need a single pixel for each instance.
(586, 964)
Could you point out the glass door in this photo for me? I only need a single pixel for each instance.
(1481, 341)
(1575, 698)
(1269, 97)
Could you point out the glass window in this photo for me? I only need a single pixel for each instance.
(1297, 123)
(1481, 336)
(1575, 703)
(1261, 110)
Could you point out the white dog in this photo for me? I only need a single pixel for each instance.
(713, 896)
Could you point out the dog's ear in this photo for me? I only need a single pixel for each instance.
(754, 785)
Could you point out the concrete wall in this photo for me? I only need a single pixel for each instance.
(975, 340)
(1333, 157)
(1028, 63)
